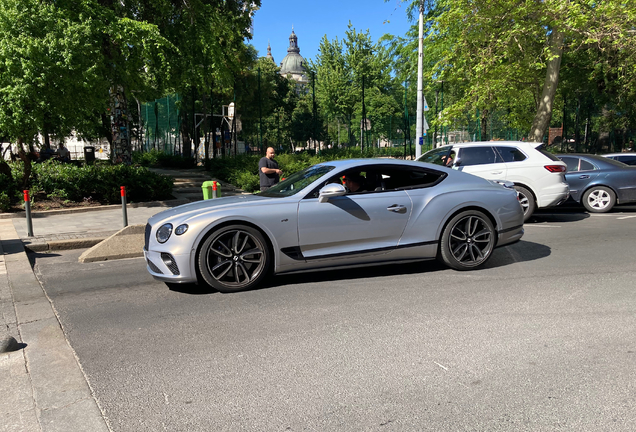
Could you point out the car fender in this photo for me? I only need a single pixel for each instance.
(443, 206)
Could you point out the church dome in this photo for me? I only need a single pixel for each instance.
(293, 63)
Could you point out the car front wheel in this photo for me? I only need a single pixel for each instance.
(467, 241)
(234, 258)
(599, 199)
(526, 199)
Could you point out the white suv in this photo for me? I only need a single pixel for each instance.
(539, 176)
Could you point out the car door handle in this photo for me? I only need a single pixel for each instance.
(395, 208)
(584, 176)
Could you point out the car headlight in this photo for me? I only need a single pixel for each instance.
(163, 233)
(181, 229)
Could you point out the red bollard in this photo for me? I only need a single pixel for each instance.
(123, 205)
(27, 210)
(213, 189)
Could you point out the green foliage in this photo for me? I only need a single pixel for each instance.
(98, 182)
(5, 202)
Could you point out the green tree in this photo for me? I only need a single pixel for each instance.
(508, 55)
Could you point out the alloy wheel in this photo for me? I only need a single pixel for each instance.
(235, 259)
(471, 240)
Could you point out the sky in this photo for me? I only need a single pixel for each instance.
(312, 19)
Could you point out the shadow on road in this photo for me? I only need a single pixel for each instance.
(191, 288)
(521, 251)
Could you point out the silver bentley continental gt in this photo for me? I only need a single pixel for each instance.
(400, 211)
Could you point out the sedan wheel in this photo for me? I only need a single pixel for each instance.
(467, 241)
(599, 199)
(526, 199)
(234, 258)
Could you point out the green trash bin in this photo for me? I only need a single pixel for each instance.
(208, 189)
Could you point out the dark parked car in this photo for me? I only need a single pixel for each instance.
(598, 182)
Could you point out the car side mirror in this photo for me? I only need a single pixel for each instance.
(331, 190)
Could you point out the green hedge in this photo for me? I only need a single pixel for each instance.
(96, 182)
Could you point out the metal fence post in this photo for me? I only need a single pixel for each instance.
(27, 209)
(123, 205)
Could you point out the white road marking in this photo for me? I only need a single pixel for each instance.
(626, 217)
(443, 367)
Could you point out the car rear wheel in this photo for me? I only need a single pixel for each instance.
(526, 199)
(467, 241)
(234, 258)
(599, 199)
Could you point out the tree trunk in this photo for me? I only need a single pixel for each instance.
(541, 120)
(484, 125)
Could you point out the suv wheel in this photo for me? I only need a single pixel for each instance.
(526, 199)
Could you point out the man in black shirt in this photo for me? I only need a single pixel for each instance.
(268, 170)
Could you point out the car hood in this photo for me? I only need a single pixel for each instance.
(198, 207)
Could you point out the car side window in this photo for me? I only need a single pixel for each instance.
(394, 178)
(571, 162)
(511, 154)
(477, 156)
(629, 160)
(586, 166)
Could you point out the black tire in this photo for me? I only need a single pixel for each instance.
(467, 240)
(526, 199)
(598, 199)
(234, 258)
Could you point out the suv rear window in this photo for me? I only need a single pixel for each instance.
(511, 154)
(548, 154)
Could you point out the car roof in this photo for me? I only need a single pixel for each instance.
(345, 163)
(601, 160)
(619, 154)
(525, 144)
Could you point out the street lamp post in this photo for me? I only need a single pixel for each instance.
(419, 126)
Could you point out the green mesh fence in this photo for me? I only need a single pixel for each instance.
(161, 124)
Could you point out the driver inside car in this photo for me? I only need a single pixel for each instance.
(354, 182)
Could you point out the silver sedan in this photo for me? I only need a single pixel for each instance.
(400, 211)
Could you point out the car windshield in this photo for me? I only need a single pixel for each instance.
(297, 181)
(436, 156)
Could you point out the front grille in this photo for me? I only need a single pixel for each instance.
(169, 262)
(153, 267)
(147, 236)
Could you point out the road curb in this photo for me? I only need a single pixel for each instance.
(125, 243)
(64, 244)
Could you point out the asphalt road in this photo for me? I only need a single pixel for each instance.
(543, 339)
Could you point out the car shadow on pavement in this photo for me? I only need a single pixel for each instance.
(558, 215)
(518, 252)
(191, 288)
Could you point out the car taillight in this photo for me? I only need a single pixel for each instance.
(555, 168)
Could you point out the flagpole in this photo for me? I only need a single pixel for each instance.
(419, 129)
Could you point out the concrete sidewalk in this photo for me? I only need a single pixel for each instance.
(42, 384)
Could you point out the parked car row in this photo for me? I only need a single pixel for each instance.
(538, 176)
